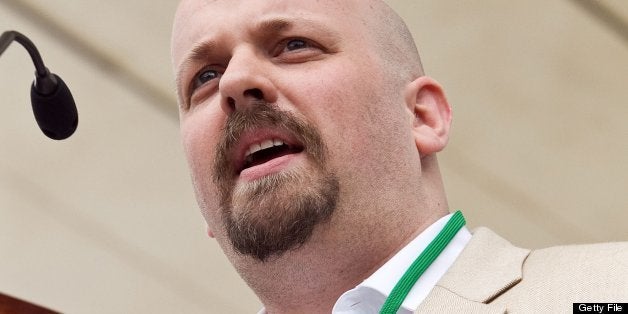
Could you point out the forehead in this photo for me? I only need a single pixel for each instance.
(197, 20)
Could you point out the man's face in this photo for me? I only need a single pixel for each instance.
(285, 116)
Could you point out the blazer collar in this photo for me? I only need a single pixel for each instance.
(486, 268)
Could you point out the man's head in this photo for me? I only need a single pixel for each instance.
(305, 118)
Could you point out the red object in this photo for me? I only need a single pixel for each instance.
(11, 305)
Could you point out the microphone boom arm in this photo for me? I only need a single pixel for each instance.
(9, 36)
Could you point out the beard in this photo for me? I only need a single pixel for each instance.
(278, 212)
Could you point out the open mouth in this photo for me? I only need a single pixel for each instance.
(267, 150)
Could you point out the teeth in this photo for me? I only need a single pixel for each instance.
(267, 144)
(254, 148)
(263, 145)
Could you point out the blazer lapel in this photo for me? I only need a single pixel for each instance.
(441, 300)
(486, 268)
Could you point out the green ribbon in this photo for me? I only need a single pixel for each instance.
(418, 267)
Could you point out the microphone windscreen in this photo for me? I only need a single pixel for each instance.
(56, 112)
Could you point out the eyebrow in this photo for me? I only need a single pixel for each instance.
(274, 25)
(278, 24)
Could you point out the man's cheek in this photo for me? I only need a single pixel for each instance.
(188, 142)
(196, 147)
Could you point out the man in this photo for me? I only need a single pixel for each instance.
(311, 133)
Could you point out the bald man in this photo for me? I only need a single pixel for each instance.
(311, 134)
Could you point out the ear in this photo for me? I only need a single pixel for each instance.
(210, 233)
(426, 100)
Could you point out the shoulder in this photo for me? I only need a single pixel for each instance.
(604, 256)
(575, 273)
(610, 256)
(605, 263)
(554, 278)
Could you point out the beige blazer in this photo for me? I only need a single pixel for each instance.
(493, 276)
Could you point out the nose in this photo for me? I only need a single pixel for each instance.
(245, 82)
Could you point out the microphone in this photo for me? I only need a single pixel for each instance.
(52, 101)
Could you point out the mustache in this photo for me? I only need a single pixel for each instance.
(260, 114)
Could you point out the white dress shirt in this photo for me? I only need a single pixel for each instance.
(369, 296)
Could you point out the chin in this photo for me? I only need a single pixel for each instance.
(277, 213)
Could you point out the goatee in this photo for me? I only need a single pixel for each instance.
(278, 212)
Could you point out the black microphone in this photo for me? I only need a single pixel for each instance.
(52, 101)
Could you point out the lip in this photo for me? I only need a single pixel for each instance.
(257, 136)
(271, 166)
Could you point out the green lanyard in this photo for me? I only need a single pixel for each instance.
(418, 267)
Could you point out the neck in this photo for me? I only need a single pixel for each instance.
(311, 278)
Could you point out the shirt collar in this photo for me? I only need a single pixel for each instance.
(369, 296)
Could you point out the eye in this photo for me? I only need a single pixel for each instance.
(203, 76)
(295, 44)
(297, 50)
